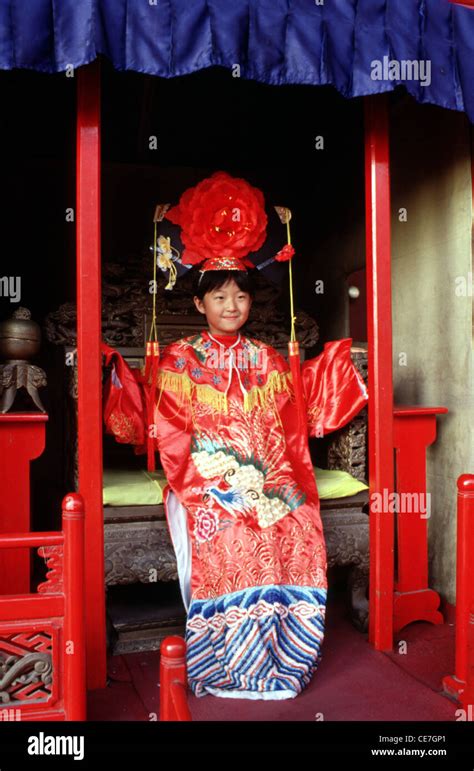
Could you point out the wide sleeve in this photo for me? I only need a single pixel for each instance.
(173, 418)
(333, 388)
(173, 395)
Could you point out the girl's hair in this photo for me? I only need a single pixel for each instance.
(214, 279)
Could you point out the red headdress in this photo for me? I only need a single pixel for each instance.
(222, 219)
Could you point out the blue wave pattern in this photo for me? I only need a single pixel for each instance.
(262, 642)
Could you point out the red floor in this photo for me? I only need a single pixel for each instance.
(353, 682)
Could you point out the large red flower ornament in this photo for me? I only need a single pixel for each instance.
(222, 216)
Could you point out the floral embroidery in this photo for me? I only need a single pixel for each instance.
(216, 379)
(206, 526)
(180, 362)
(196, 372)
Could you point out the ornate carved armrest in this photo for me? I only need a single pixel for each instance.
(347, 448)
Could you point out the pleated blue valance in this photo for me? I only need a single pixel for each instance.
(359, 46)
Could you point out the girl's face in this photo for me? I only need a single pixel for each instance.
(227, 308)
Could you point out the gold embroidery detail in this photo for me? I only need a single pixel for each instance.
(270, 510)
(122, 427)
(313, 414)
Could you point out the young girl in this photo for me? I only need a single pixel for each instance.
(241, 500)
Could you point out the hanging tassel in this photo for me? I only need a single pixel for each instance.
(295, 368)
(151, 378)
(163, 258)
(152, 357)
(286, 254)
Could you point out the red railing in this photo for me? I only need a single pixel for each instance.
(22, 439)
(42, 633)
(173, 680)
(461, 684)
(414, 429)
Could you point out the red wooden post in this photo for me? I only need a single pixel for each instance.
(380, 386)
(74, 617)
(22, 436)
(414, 429)
(173, 680)
(89, 362)
(461, 684)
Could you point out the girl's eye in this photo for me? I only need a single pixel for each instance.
(220, 297)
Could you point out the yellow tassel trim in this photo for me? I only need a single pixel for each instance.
(264, 395)
(181, 383)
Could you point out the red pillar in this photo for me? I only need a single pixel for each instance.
(379, 335)
(89, 363)
(461, 683)
(22, 436)
(74, 617)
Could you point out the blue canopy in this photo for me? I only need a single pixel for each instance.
(359, 46)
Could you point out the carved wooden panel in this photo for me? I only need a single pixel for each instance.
(28, 663)
(139, 552)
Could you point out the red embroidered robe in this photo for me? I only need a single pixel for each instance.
(243, 509)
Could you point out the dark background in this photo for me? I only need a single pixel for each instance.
(203, 122)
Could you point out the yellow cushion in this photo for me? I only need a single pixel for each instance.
(133, 487)
(337, 484)
(136, 487)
